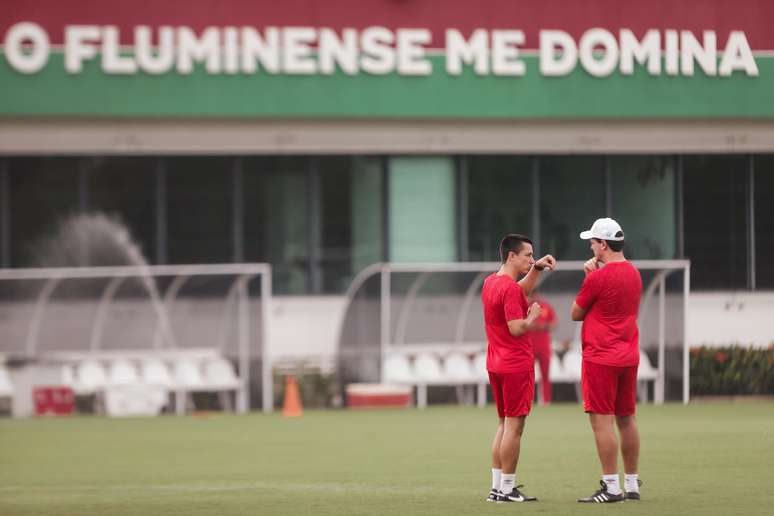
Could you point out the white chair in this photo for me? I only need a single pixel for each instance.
(459, 369)
(572, 364)
(90, 377)
(427, 368)
(154, 372)
(187, 375)
(556, 371)
(68, 377)
(219, 374)
(6, 386)
(645, 373)
(122, 372)
(482, 377)
(396, 369)
(479, 367)
(188, 378)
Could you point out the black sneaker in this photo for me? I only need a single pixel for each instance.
(493, 494)
(602, 496)
(515, 496)
(631, 495)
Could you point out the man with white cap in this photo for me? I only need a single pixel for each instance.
(608, 303)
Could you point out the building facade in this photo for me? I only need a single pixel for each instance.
(322, 137)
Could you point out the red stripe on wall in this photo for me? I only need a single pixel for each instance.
(752, 16)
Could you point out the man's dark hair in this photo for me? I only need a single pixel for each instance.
(615, 245)
(512, 243)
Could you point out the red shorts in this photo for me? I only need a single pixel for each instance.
(609, 389)
(513, 392)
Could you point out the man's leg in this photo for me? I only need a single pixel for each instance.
(630, 436)
(630, 443)
(496, 462)
(497, 469)
(544, 359)
(607, 442)
(510, 444)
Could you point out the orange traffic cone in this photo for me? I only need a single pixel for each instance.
(291, 407)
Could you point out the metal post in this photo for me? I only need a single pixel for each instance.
(161, 211)
(238, 212)
(536, 205)
(5, 215)
(243, 339)
(751, 280)
(686, 343)
(462, 209)
(266, 369)
(384, 318)
(661, 380)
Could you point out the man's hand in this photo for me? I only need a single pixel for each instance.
(591, 265)
(547, 262)
(533, 312)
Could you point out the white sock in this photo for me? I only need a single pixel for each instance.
(507, 482)
(613, 485)
(496, 475)
(631, 483)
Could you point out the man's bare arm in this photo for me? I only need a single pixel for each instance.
(577, 313)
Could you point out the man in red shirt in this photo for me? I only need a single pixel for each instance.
(510, 359)
(541, 343)
(608, 303)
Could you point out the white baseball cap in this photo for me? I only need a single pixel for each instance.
(604, 229)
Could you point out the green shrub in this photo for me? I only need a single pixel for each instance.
(732, 370)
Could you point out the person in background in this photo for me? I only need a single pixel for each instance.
(541, 343)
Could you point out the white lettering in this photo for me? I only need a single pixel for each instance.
(112, 60)
(266, 50)
(646, 51)
(411, 53)
(459, 52)
(335, 51)
(553, 63)
(505, 52)
(737, 56)
(378, 57)
(705, 53)
(589, 42)
(297, 50)
(79, 46)
(191, 49)
(672, 51)
(150, 61)
(231, 50)
(32, 57)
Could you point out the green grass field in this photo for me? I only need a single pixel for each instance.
(701, 459)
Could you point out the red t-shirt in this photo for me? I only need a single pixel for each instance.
(504, 301)
(542, 338)
(611, 298)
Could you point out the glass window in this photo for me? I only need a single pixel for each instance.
(43, 192)
(499, 190)
(715, 220)
(423, 226)
(124, 189)
(572, 197)
(643, 202)
(764, 221)
(199, 193)
(276, 211)
(351, 218)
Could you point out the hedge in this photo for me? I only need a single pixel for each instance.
(732, 370)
